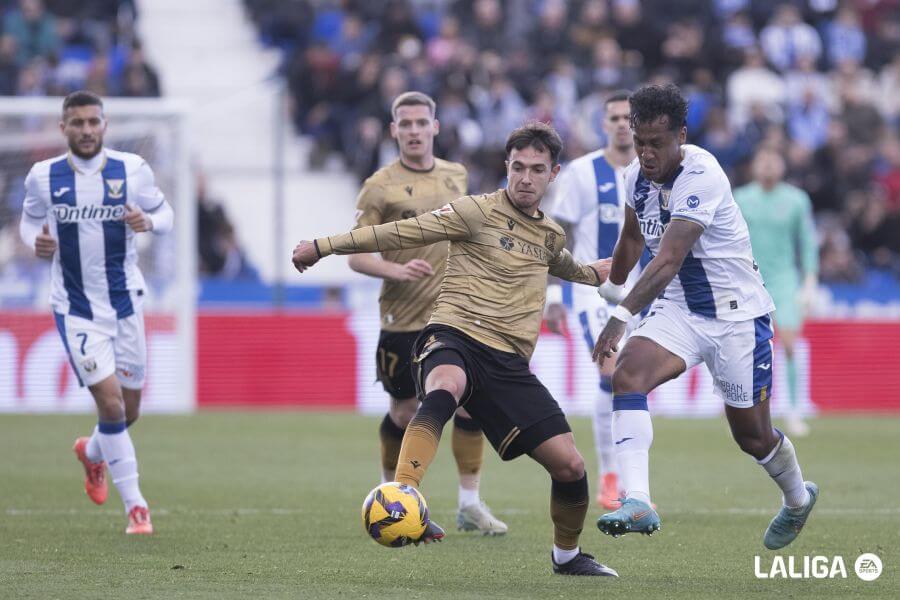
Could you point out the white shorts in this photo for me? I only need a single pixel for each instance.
(97, 350)
(738, 354)
(592, 312)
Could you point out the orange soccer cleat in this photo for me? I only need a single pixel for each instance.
(139, 521)
(608, 495)
(95, 485)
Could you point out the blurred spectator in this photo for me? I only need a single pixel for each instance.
(33, 29)
(844, 37)
(786, 37)
(9, 71)
(753, 84)
(220, 254)
(139, 79)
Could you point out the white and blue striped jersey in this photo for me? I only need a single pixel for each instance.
(719, 278)
(94, 270)
(590, 194)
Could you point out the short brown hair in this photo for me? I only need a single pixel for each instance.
(412, 99)
(539, 136)
(82, 98)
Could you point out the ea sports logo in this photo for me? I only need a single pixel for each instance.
(868, 567)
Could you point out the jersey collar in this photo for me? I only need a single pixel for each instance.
(87, 166)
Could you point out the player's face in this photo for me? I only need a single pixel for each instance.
(658, 148)
(616, 125)
(529, 171)
(84, 127)
(768, 168)
(414, 128)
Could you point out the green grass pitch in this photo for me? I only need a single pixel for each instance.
(268, 505)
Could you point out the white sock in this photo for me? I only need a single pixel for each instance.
(92, 450)
(782, 466)
(563, 556)
(118, 451)
(603, 437)
(633, 435)
(468, 497)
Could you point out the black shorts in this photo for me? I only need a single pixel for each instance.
(393, 363)
(513, 408)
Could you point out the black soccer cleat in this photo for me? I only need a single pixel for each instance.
(583, 564)
(433, 533)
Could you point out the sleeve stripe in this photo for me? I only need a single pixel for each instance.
(399, 237)
(419, 225)
(479, 207)
(691, 219)
(375, 235)
(441, 221)
(157, 207)
(353, 239)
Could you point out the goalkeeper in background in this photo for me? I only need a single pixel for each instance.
(783, 236)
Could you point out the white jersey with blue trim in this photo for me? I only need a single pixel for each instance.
(590, 194)
(94, 270)
(719, 278)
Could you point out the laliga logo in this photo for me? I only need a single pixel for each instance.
(868, 567)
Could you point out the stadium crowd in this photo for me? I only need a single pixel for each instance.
(818, 80)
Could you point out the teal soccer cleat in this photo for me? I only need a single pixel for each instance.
(633, 517)
(789, 521)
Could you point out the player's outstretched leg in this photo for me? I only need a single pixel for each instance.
(420, 444)
(569, 500)
(118, 451)
(468, 450)
(87, 450)
(607, 480)
(391, 436)
(633, 434)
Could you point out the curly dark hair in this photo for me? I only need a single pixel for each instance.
(651, 102)
(539, 136)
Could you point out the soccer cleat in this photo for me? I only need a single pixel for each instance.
(582, 564)
(633, 517)
(95, 485)
(139, 521)
(789, 521)
(608, 496)
(433, 533)
(478, 517)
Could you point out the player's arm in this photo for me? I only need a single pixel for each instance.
(149, 210)
(564, 266)
(33, 227)
(459, 220)
(809, 251)
(676, 242)
(369, 211)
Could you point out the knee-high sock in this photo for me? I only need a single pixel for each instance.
(791, 368)
(423, 434)
(568, 507)
(633, 436)
(468, 450)
(391, 436)
(782, 466)
(118, 451)
(603, 436)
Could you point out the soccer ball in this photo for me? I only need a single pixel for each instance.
(394, 514)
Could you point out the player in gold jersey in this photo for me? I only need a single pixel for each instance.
(475, 349)
(414, 184)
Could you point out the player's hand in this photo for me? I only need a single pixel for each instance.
(137, 219)
(555, 317)
(608, 341)
(413, 270)
(806, 295)
(44, 244)
(611, 292)
(602, 267)
(305, 255)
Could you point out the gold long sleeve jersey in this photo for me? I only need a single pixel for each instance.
(397, 192)
(493, 287)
